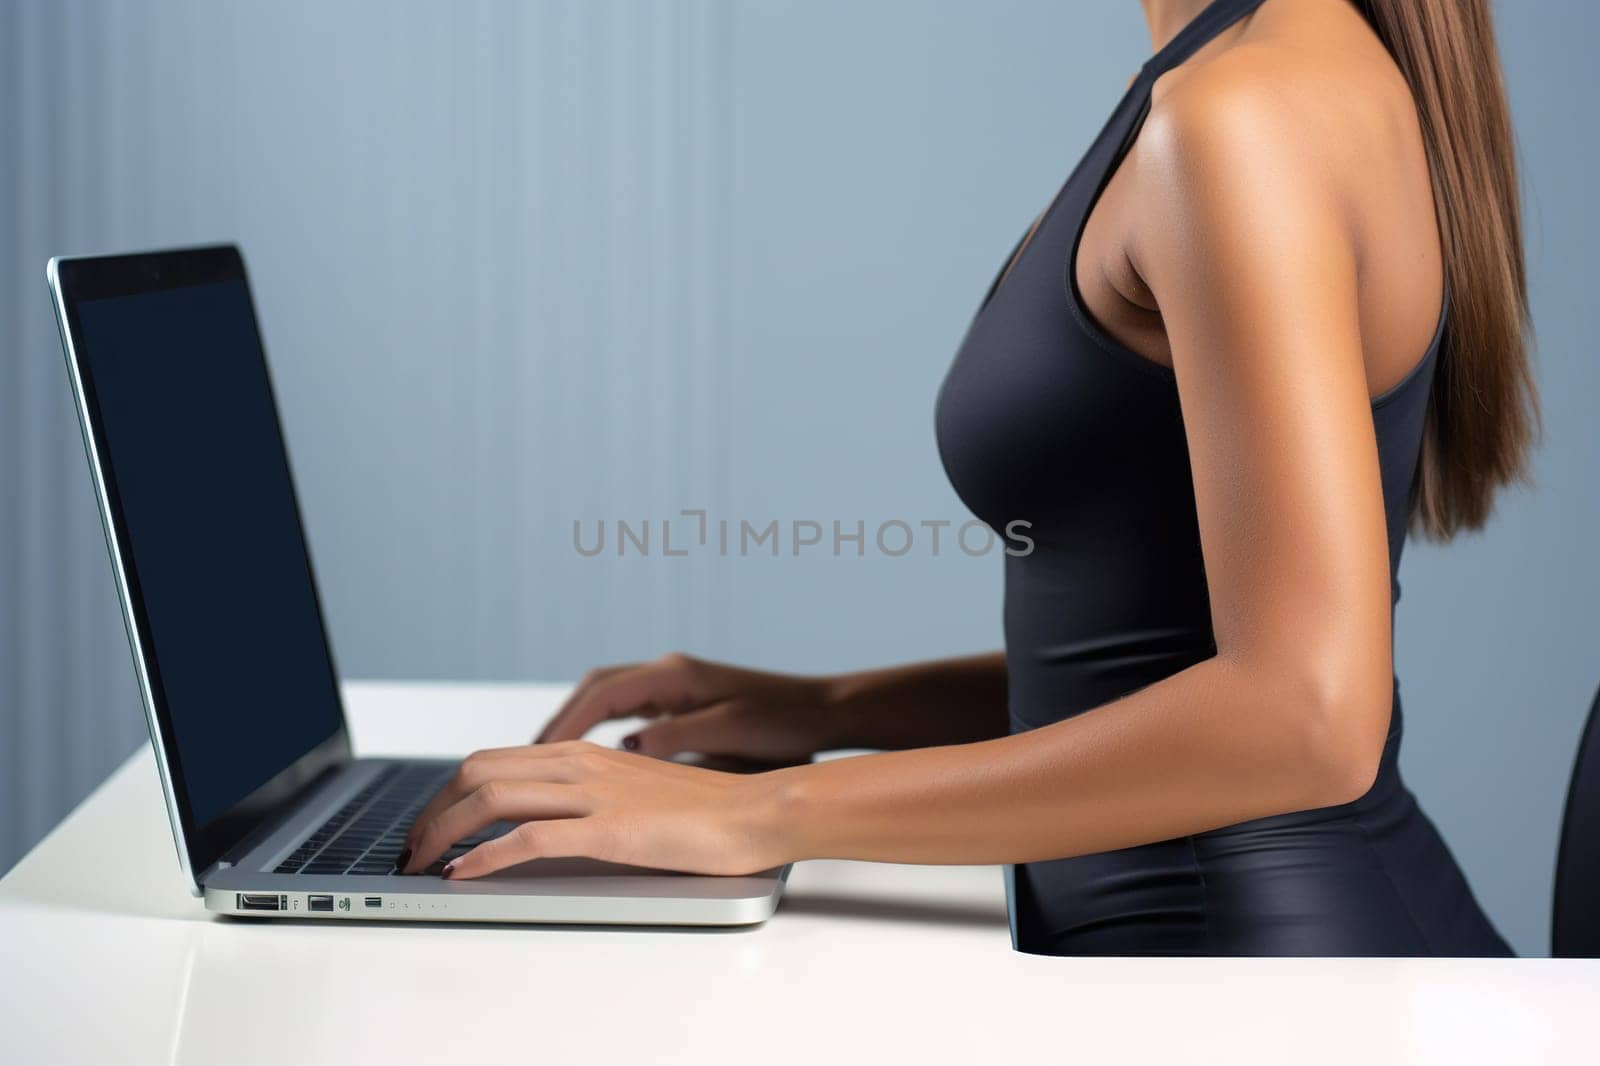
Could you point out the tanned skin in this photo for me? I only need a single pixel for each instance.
(1270, 236)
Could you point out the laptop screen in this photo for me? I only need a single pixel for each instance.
(191, 449)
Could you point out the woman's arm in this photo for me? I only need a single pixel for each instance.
(1244, 242)
(716, 709)
(947, 701)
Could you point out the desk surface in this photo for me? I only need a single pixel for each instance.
(105, 958)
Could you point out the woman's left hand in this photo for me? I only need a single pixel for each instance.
(576, 798)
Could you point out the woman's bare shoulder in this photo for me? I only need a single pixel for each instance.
(1284, 98)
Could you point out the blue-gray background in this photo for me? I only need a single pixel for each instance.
(521, 264)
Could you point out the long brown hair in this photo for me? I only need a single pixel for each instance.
(1483, 414)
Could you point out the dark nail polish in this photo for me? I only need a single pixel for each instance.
(404, 857)
(449, 869)
(631, 742)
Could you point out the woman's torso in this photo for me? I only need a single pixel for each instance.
(1045, 418)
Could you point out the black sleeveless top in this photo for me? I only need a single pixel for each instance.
(1044, 417)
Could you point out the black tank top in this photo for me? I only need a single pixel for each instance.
(1045, 418)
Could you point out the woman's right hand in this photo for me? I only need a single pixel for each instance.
(701, 707)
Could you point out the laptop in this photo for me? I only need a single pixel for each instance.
(272, 815)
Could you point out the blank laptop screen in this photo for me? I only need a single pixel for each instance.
(191, 442)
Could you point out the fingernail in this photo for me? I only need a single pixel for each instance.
(403, 858)
(631, 742)
(449, 869)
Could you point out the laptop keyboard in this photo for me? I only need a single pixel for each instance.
(366, 835)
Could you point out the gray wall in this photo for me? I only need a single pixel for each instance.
(525, 264)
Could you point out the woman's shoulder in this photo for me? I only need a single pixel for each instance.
(1276, 97)
(1302, 86)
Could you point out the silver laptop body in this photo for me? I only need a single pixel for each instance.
(271, 814)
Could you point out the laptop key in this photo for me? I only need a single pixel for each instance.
(366, 835)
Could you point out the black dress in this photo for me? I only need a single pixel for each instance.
(1043, 416)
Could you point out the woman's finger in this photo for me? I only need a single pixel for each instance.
(481, 767)
(674, 684)
(719, 729)
(497, 801)
(557, 838)
(731, 728)
(553, 729)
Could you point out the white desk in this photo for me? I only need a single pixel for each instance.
(106, 959)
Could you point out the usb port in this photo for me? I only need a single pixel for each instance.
(258, 901)
(319, 903)
(374, 901)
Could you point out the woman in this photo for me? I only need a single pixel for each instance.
(1274, 317)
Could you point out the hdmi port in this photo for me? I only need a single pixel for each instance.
(259, 901)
